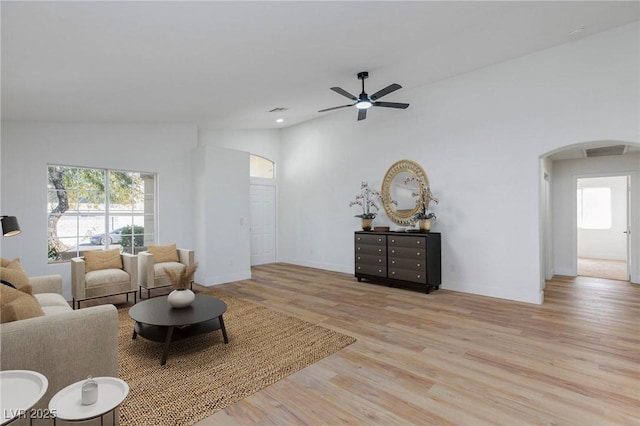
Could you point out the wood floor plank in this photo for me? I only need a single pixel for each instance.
(450, 357)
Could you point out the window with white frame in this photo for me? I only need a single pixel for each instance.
(95, 209)
(594, 208)
(261, 167)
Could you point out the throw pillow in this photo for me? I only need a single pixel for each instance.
(16, 305)
(14, 274)
(95, 260)
(164, 253)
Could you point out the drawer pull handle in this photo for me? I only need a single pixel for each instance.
(393, 251)
(418, 242)
(393, 273)
(379, 240)
(358, 248)
(418, 276)
(361, 258)
(359, 267)
(379, 260)
(418, 265)
(393, 241)
(380, 270)
(379, 250)
(393, 262)
(418, 253)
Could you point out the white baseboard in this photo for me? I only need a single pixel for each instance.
(567, 272)
(320, 265)
(228, 278)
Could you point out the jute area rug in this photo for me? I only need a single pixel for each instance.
(204, 375)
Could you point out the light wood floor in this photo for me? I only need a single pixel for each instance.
(603, 268)
(449, 357)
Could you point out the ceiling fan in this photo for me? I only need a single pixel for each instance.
(364, 101)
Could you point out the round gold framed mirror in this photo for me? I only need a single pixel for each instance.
(398, 191)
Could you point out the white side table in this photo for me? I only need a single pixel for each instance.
(67, 403)
(19, 391)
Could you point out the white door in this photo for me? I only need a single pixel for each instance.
(603, 226)
(263, 224)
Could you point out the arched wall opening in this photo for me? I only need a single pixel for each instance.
(559, 171)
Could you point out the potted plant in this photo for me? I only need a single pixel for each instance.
(423, 198)
(182, 296)
(365, 200)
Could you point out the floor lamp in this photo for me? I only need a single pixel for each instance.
(10, 226)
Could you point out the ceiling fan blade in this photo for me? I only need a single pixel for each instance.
(338, 107)
(390, 88)
(362, 114)
(344, 93)
(391, 105)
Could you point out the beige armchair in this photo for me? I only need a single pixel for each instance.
(152, 264)
(103, 273)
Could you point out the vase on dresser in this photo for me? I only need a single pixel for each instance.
(424, 225)
(367, 224)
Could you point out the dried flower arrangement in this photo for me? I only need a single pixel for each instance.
(423, 198)
(182, 280)
(365, 200)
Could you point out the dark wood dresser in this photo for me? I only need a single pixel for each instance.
(402, 258)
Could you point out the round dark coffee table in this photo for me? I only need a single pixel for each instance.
(157, 321)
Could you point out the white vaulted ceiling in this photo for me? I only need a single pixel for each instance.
(226, 64)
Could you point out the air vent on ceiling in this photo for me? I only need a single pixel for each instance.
(605, 150)
(278, 109)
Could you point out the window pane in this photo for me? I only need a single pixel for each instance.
(260, 167)
(595, 208)
(80, 214)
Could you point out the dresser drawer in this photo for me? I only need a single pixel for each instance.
(378, 271)
(407, 241)
(369, 249)
(418, 265)
(407, 275)
(371, 239)
(371, 259)
(407, 253)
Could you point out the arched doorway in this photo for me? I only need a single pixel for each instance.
(561, 170)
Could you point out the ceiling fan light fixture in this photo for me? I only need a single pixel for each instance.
(364, 101)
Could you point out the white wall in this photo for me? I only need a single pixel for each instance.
(222, 215)
(479, 137)
(608, 243)
(564, 209)
(27, 148)
(265, 143)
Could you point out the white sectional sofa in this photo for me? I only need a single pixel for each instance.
(65, 345)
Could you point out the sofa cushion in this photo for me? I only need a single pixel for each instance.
(95, 260)
(159, 268)
(11, 272)
(106, 276)
(47, 300)
(164, 253)
(16, 305)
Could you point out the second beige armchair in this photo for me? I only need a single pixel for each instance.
(152, 264)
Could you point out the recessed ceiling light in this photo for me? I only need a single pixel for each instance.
(280, 120)
(576, 31)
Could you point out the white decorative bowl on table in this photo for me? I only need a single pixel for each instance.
(67, 403)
